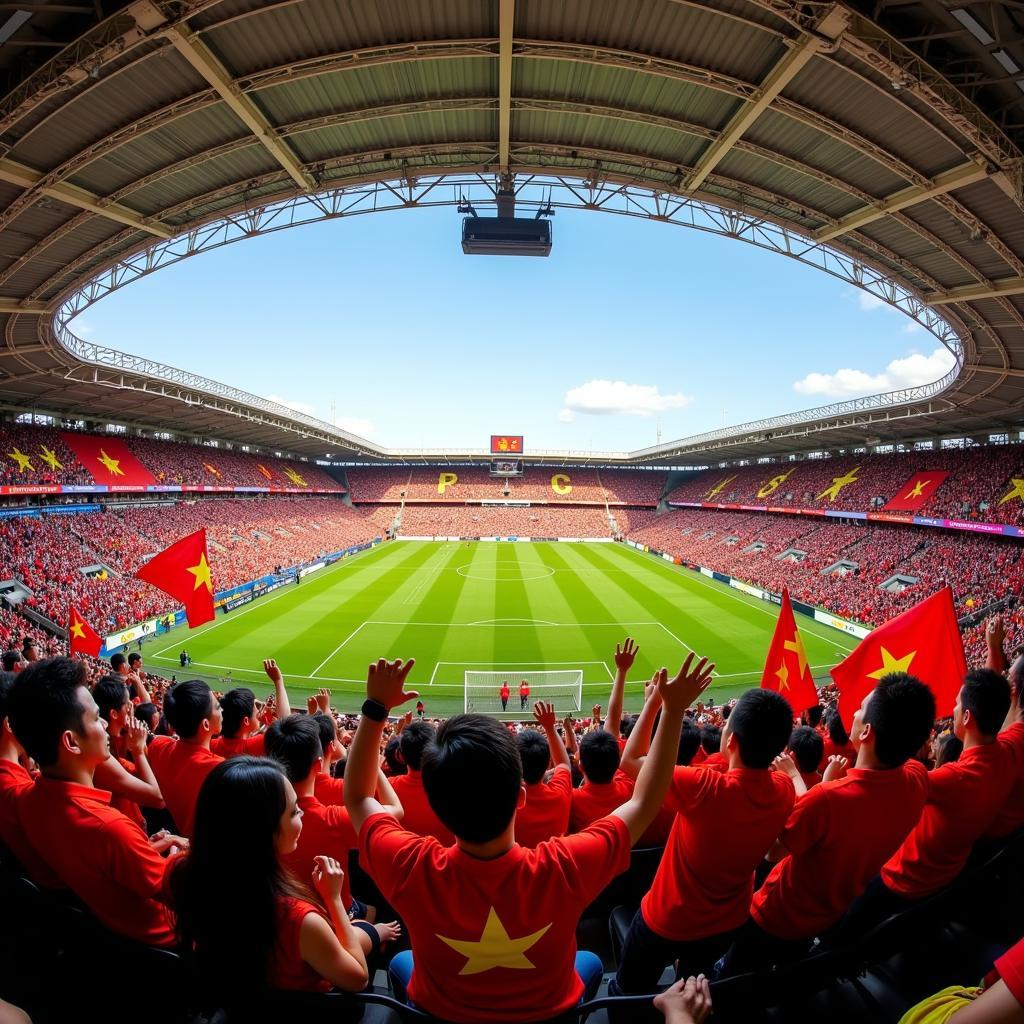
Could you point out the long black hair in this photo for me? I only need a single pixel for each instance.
(225, 891)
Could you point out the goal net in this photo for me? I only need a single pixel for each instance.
(482, 691)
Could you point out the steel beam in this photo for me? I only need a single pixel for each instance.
(27, 178)
(29, 308)
(957, 177)
(202, 59)
(975, 292)
(506, 19)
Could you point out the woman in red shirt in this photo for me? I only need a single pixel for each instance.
(277, 933)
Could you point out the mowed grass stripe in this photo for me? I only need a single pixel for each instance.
(512, 601)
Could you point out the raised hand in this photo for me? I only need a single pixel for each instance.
(385, 682)
(687, 685)
(545, 715)
(785, 764)
(327, 878)
(135, 733)
(596, 712)
(625, 655)
(273, 672)
(323, 699)
(651, 688)
(311, 705)
(835, 769)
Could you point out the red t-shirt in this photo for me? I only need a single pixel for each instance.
(717, 760)
(1010, 967)
(1010, 817)
(594, 800)
(838, 837)
(329, 790)
(495, 940)
(419, 816)
(964, 797)
(848, 750)
(546, 813)
(811, 779)
(725, 824)
(128, 807)
(102, 856)
(287, 968)
(181, 767)
(326, 832)
(524, 690)
(255, 746)
(504, 692)
(15, 781)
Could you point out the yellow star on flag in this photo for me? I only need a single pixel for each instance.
(50, 458)
(1016, 491)
(918, 488)
(495, 948)
(202, 573)
(721, 486)
(76, 629)
(796, 645)
(783, 674)
(838, 483)
(113, 466)
(891, 664)
(24, 461)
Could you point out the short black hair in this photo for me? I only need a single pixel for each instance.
(413, 740)
(187, 703)
(901, 712)
(836, 730)
(133, 659)
(117, 660)
(808, 748)
(395, 766)
(534, 753)
(986, 694)
(294, 742)
(145, 713)
(235, 705)
(689, 742)
(761, 721)
(813, 715)
(711, 739)
(947, 748)
(328, 731)
(473, 776)
(6, 682)
(29, 641)
(43, 705)
(110, 694)
(11, 658)
(627, 725)
(599, 756)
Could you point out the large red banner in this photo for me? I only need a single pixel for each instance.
(918, 490)
(506, 444)
(108, 460)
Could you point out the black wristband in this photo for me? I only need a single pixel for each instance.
(374, 710)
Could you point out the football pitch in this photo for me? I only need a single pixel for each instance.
(507, 607)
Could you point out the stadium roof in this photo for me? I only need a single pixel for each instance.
(881, 142)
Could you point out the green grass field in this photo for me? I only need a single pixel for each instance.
(493, 606)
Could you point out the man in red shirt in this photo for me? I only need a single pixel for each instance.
(181, 765)
(102, 856)
(1011, 817)
(725, 822)
(328, 789)
(604, 787)
(504, 693)
(496, 939)
(419, 817)
(964, 797)
(546, 811)
(841, 832)
(807, 750)
(524, 695)
(241, 731)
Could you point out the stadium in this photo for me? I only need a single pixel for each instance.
(725, 725)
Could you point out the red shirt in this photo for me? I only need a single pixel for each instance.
(504, 692)
(1010, 967)
(287, 968)
(725, 824)
(128, 807)
(811, 779)
(102, 856)
(838, 837)
(524, 690)
(594, 800)
(964, 797)
(15, 781)
(327, 832)
(181, 767)
(419, 816)
(546, 813)
(717, 760)
(495, 940)
(1010, 817)
(848, 750)
(329, 790)
(255, 746)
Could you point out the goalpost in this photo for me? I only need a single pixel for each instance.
(482, 691)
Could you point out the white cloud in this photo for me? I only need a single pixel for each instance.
(912, 327)
(304, 407)
(357, 425)
(617, 398)
(910, 371)
(869, 302)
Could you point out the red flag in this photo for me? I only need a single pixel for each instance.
(183, 571)
(82, 638)
(108, 460)
(916, 491)
(924, 641)
(786, 670)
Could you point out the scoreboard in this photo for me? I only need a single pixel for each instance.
(506, 444)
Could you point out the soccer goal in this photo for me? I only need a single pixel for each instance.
(482, 691)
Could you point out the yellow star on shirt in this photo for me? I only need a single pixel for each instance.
(891, 664)
(838, 483)
(495, 948)
(24, 461)
(202, 573)
(113, 466)
(50, 458)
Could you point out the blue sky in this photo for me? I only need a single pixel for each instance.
(626, 328)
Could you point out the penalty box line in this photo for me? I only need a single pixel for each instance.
(523, 665)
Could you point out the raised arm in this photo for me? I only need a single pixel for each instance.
(677, 694)
(639, 742)
(140, 688)
(625, 655)
(284, 708)
(385, 689)
(569, 734)
(389, 799)
(332, 950)
(545, 715)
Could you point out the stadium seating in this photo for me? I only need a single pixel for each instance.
(485, 521)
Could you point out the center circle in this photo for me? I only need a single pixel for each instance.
(510, 578)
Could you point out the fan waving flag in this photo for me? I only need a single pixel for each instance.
(924, 641)
(183, 571)
(786, 670)
(82, 638)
